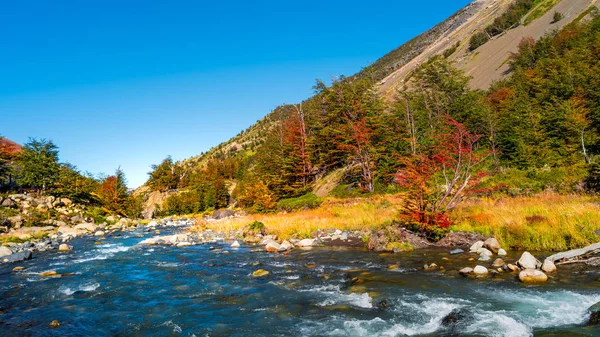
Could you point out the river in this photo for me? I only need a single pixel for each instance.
(119, 289)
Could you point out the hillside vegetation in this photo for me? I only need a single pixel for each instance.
(438, 142)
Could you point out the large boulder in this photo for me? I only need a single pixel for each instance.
(476, 246)
(480, 270)
(8, 203)
(272, 247)
(306, 243)
(528, 261)
(222, 213)
(86, 226)
(5, 251)
(548, 266)
(17, 257)
(492, 244)
(594, 314)
(532, 276)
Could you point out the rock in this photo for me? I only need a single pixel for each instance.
(456, 251)
(86, 226)
(49, 273)
(466, 271)
(485, 251)
(99, 233)
(8, 203)
(594, 314)
(235, 244)
(64, 247)
(512, 267)
(5, 251)
(19, 268)
(54, 324)
(492, 244)
(548, 266)
(183, 244)
(528, 261)
(480, 270)
(432, 266)
(476, 246)
(498, 263)
(532, 276)
(306, 243)
(77, 219)
(484, 257)
(260, 272)
(454, 317)
(501, 252)
(17, 257)
(222, 213)
(272, 247)
(287, 245)
(66, 201)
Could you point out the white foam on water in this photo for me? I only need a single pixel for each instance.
(334, 296)
(176, 328)
(433, 310)
(545, 309)
(292, 277)
(497, 324)
(84, 287)
(103, 253)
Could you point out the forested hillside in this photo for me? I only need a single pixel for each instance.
(536, 130)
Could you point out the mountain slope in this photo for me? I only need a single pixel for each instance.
(450, 39)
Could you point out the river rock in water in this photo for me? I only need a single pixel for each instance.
(5, 251)
(548, 266)
(492, 244)
(16, 257)
(306, 243)
(480, 270)
(272, 247)
(594, 314)
(466, 271)
(532, 276)
(501, 252)
(528, 261)
(476, 246)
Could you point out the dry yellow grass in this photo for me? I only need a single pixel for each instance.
(344, 214)
(544, 222)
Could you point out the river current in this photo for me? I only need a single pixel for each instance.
(119, 289)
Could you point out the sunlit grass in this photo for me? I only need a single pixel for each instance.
(544, 222)
(343, 214)
(540, 10)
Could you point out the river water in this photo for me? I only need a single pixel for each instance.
(120, 289)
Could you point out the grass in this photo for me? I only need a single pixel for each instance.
(538, 11)
(343, 214)
(543, 222)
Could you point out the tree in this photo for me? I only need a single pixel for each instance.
(38, 164)
(437, 178)
(112, 191)
(165, 176)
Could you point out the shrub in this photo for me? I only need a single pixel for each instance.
(307, 201)
(557, 17)
(478, 40)
(256, 226)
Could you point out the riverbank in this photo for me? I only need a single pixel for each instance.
(547, 222)
(123, 286)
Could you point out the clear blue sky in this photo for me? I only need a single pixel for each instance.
(126, 83)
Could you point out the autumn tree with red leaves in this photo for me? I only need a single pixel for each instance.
(438, 177)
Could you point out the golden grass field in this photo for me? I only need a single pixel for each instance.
(542, 222)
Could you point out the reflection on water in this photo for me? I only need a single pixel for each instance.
(118, 288)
